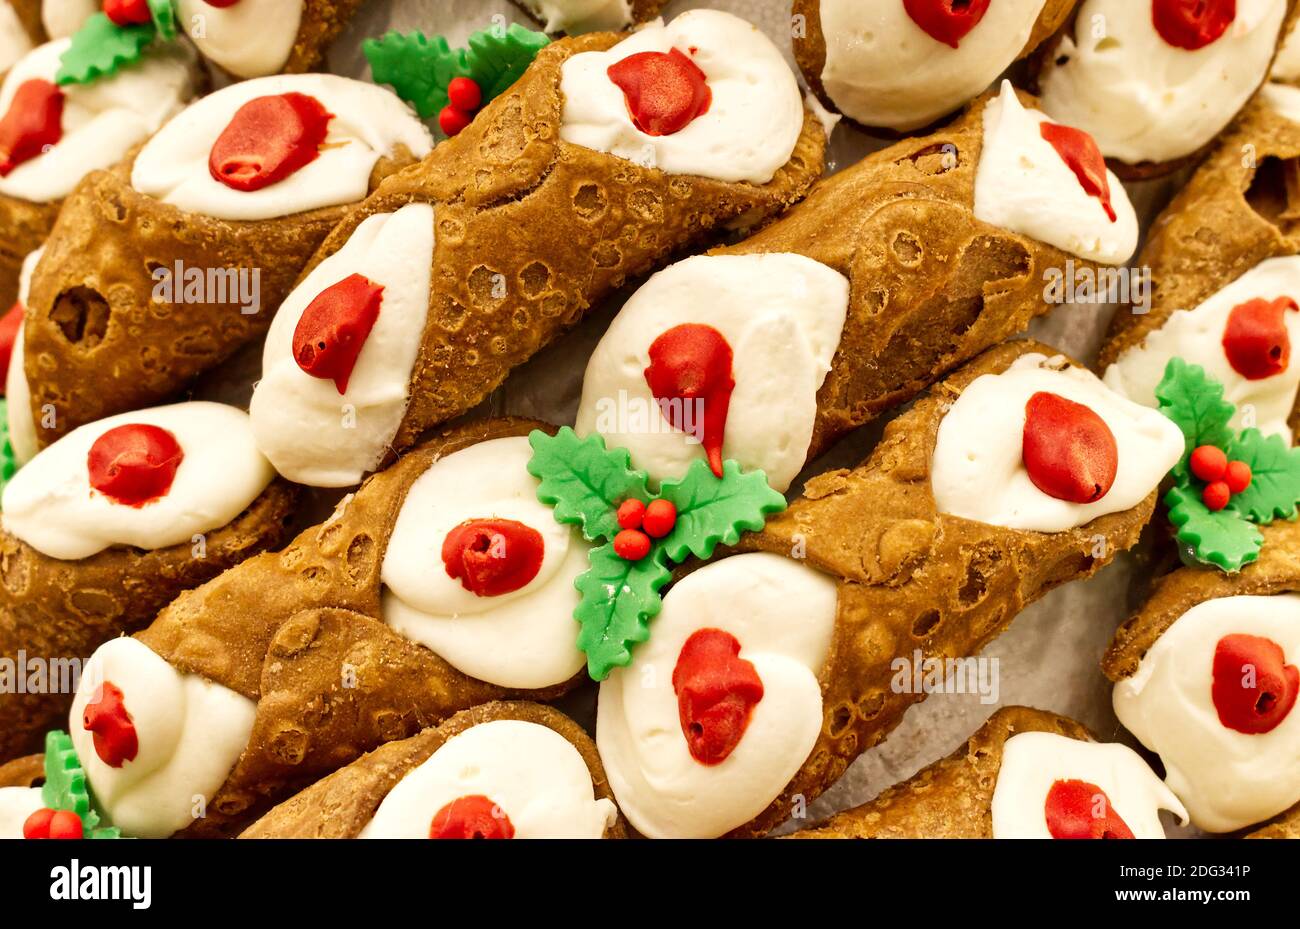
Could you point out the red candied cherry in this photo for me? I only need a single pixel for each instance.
(491, 557)
(453, 121)
(464, 94)
(690, 375)
(1256, 341)
(1238, 476)
(268, 139)
(1208, 462)
(664, 91)
(334, 327)
(630, 513)
(1192, 24)
(1216, 495)
(134, 464)
(1254, 689)
(716, 691)
(660, 517)
(1083, 157)
(946, 21)
(1080, 810)
(631, 544)
(33, 122)
(128, 12)
(1068, 450)
(108, 720)
(471, 817)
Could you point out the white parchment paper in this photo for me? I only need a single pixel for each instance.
(1050, 656)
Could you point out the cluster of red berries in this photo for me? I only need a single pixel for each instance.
(466, 97)
(639, 523)
(52, 824)
(1222, 477)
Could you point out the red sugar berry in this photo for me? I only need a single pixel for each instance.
(127, 12)
(464, 94)
(1237, 476)
(1208, 463)
(453, 121)
(65, 824)
(632, 544)
(1216, 496)
(660, 517)
(630, 514)
(37, 826)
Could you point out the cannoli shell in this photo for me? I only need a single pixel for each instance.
(97, 343)
(952, 798)
(50, 608)
(322, 21)
(1150, 170)
(1241, 207)
(26, 224)
(301, 633)
(810, 44)
(1277, 571)
(930, 285)
(340, 805)
(912, 578)
(28, 771)
(562, 225)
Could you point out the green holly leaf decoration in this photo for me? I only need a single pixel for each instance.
(419, 68)
(584, 481)
(497, 58)
(713, 510)
(1274, 489)
(619, 597)
(164, 18)
(416, 67)
(65, 786)
(1194, 402)
(99, 48)
(1222, 539)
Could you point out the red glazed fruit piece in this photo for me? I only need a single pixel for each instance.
(946, 21)
(33, 122)
(134, 464)
(334, 327)
(106, 717)
(1254, 688)
(690, 375)
(491, 557)
(717, 691)
(471, 817)
(1192, 24)
(1256, 341)
(1068, 450)
(1081, 155)
(665, 92)
(1080, 810)
(268, 139)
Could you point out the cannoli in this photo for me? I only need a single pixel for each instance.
(578, 16)
(162, 267)
(108, 525)
(1205, 677)
(510, 231)
(442, 583)
(1017, 474)
(1026, 774)
(1156, 82)
(497, 771)
(1224, 280)
(900, 65)
(52, 134)
(815, 334)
